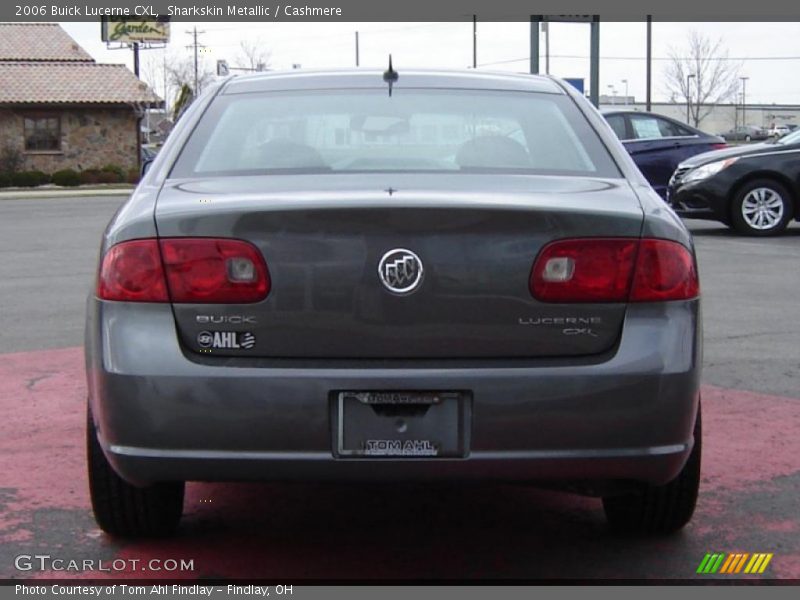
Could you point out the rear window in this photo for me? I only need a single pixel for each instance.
(352, 131)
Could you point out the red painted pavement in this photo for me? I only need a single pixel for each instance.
(749, 503)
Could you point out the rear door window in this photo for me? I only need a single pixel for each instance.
(648, 127)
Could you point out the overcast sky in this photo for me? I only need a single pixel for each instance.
(769, 51)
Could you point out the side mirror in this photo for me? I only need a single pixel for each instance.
(146, 166)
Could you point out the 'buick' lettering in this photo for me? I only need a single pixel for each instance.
(233, 319)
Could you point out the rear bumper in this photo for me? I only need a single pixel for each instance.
(163, 416)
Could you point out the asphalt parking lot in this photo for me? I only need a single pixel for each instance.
(751, 473)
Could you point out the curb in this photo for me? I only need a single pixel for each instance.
(68, 193)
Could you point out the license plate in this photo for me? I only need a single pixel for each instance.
(402, 424)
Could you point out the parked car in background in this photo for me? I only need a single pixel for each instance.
(755, 188)
(777, 131)
(745, 133)
(508, 300)
(658, 144)
(147, 153)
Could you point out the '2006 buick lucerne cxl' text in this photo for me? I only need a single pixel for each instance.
(403, 276)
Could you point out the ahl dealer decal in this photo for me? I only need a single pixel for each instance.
(226, 340)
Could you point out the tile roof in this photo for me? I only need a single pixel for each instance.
(71, 83)
(41, 64)
(39, 41)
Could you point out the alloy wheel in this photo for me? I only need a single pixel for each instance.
(762, 208)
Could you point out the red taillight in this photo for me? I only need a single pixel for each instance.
(664, 271)
(195, 270)
(584, 270)
(132, 272)
(613, 270)
(720, 146)
(220, 271)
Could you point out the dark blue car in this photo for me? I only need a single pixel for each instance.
(659, 144)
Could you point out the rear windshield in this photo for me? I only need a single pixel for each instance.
(424, 130)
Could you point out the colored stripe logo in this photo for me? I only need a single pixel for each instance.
(731, 564)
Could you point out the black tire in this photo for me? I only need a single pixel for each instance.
(660, 509)
(747, 138)
(741, 224)
(122, 509)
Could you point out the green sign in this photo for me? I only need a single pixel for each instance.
(130, 31)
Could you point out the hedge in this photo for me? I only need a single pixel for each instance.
(90, 176)
(116, 170)
(67, 178)
(29, 178)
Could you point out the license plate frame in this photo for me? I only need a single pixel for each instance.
(401, 424)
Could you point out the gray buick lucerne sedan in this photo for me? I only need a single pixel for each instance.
(405, 276)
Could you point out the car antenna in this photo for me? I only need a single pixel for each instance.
(390, 76)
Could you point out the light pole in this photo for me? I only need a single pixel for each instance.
(736, 110)
(744, 100)
(649, 74)
(474, 41)
(613, 91)
(625, 81)
(689, 78)
(546, 32)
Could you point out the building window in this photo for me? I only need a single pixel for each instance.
(42, 133)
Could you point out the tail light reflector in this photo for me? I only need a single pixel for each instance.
(613, 270)
(184, 270)
(664, 271)
(132, 272)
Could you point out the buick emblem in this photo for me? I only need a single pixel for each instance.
(400, 271)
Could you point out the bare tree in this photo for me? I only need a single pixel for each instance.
(253, 55)
(702, 75)
(152, 70)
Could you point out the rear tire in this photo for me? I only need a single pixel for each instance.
(664, 508)
(122, 509)
(762, 207)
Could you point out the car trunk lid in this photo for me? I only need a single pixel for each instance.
(476, 236)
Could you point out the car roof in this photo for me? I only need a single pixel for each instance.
(373, 78)
(632, 111)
